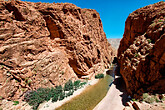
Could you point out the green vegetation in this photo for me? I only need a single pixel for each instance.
(135, 100)
(98, 76)
(136, 55)
(1, 97)
(77, 84)
(150, 98)
(15, 102)
(68, 86)
(160, 20)
(90, 97)
(149, 40)
(156, 99)
(36, 97)
(145, 95)
(2, 66)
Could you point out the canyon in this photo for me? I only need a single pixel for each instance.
(47, 44)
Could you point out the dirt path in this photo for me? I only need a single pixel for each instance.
(115, 98)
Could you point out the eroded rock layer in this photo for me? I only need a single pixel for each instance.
(44, 45)
(141, 53)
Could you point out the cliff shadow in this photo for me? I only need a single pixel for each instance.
(120, 85)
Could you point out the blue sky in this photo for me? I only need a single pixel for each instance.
(113, 13)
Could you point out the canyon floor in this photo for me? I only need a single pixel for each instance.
(116, 96)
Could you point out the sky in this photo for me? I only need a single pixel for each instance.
(113, 13)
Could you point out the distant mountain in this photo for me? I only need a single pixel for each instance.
(114, 42)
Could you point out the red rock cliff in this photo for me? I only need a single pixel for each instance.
(141, 53)
(44, 45)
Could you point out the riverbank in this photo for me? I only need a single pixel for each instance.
(115, 98)
(51, 106)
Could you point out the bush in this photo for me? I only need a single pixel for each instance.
(99, 76)
(136, 55)
(149, 40)
(156, 99)
(160, 20)
(59, 89)
(70, 93)
(36, 97)
(145, 95)
(62, 96)
(77, 84)
(149, 100)
(68, 86)
(15, 102)
(33, 99)
(55, 98)
(53, 93)
(1, 97)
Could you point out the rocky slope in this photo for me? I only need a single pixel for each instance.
(44, 45)
(141, 53)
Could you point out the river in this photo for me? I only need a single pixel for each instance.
(93, 94)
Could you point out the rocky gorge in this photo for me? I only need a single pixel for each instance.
(46, 44)
(141, 54)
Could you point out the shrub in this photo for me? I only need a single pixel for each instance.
(99, 76)
(62, 96)
(70, 93)
(1, 97)
(55, 98)
(133, 99)
(149, 40)
(36, 97)
(136, 55)
(83, 83)
(59, 89)
(33, 99)
(160, 20)
(145, 95)
(76, 84)
(156, 99)
(15, 102)
(68, 86)
(149, 100)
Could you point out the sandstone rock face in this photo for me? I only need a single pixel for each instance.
(44, 45)
(141, 53)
